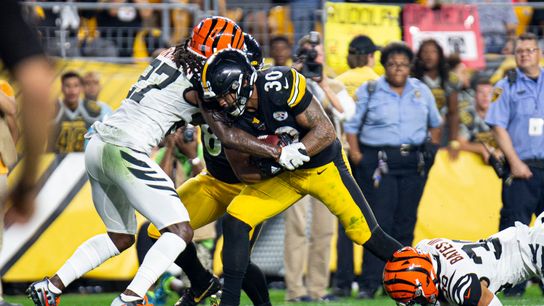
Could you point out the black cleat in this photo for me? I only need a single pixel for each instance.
(193, 298)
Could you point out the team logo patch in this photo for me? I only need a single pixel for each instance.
(497, 92)
(280, 116)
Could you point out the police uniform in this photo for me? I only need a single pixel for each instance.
(392, 130)
(70, 126)
(518, 106)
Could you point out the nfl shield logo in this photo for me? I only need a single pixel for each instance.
(280, 116)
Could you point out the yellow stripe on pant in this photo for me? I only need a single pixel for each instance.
(206, 199)
(332, 184)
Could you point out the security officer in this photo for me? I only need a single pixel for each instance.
(517, 117)
(387, 138)
(361, 62)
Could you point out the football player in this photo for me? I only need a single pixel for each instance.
(464, 272)
(276, 101)
(123, 177)
(206, 197)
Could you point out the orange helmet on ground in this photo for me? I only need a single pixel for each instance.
(213, 34)
(409, 278)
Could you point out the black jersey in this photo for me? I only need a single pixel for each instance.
(214, 156)
(18, 41)
(283, 95)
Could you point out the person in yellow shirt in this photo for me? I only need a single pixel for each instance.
(8, 153)
(361, 62)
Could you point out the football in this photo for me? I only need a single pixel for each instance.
(270, 139)
(277, 140)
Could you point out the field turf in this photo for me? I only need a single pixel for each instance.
(533, 296)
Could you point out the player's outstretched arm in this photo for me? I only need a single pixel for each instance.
(321, 131)
(232, 137)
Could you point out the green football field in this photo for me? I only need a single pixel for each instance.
(533, 296)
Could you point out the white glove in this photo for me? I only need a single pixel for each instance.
(293, 156)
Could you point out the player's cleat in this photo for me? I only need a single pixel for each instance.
(141, 302)
(40, 294)
(192, 298)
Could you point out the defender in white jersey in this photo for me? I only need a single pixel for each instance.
(466, 272)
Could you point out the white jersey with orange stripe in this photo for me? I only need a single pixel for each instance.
(502, 260)
(154, 104)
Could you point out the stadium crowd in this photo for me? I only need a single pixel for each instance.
(391, 110)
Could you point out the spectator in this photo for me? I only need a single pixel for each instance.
(74, 116)
(8, 152)
(91, 86)
(516, 116)
(389, 151)
(280, 51)
(474, 134)
(498, 24)
(23, 56)
(120, 25)
(432, 69)
(360, 61)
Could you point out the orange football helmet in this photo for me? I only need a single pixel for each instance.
(409, 278)
(213, 34)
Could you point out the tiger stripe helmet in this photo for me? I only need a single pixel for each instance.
(409, 278)
(213, 34)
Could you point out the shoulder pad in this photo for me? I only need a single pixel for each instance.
(283, 85)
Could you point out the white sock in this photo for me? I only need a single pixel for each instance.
(88, 256)
(159, 257)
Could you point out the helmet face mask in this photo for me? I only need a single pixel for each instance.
(409, 278)
(228, 75)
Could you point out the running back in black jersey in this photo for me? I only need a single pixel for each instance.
(283, 95)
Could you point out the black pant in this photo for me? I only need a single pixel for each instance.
(519, 201)
(394, 202)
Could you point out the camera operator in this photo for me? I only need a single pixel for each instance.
(331, 94)
(181, 147)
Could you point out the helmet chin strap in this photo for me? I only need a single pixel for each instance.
(243, 94)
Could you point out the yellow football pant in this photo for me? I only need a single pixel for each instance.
(206, 199)
(332, 184)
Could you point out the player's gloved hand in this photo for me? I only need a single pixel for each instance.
(293, 156)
